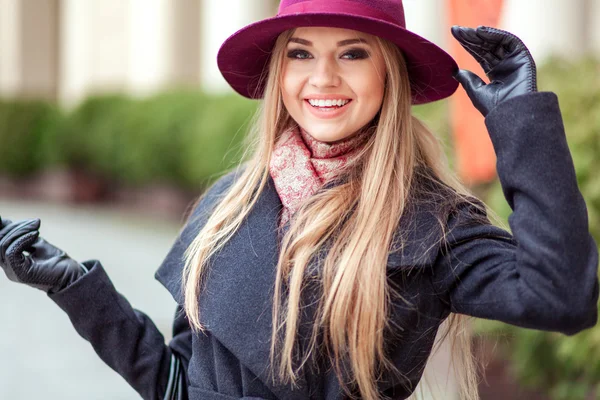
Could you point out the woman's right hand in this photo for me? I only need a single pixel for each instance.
(27, 258)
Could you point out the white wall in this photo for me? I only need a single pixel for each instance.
(219, 21)
(151, 36)
(427, 18)
(593, 24)
(74, 51)
(107, 44)
(115, 45)
(140, 46)
(10, 50)
(547, 26)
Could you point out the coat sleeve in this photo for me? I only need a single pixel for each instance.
(126, 339)
(546, 275)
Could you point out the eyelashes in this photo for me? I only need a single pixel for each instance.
(355, 54)
(298, 54)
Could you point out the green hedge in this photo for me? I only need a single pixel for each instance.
(28, 136)
(565, 367)
(182, 137)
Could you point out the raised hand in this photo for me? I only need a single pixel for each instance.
(26, 258)
(505, 60)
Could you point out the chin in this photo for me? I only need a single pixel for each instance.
(324, 135)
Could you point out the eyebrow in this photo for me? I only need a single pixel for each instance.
(340, 44)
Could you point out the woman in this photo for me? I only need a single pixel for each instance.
(324, 266)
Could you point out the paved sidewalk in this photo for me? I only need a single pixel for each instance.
(41, 355)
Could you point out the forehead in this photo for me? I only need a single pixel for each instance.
(323, 34)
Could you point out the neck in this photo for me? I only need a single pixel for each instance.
(320, 149)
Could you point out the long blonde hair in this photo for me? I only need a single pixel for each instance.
(358, 217)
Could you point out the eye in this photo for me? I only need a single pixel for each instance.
(356, 54)
(298, 54)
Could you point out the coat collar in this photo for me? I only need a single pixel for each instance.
(235, 305)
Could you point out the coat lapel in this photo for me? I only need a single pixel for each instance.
(236, 303)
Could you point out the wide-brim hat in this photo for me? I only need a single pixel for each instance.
(244, 56)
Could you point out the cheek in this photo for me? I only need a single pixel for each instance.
(371, 87)
(286, 92)
(289, 103)
(291, 83)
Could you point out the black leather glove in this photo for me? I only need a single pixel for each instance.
(27, 258)
(505, 60)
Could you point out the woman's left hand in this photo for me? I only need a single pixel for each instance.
(27, 258)
(505, 60)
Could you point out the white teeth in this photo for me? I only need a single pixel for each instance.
(327, 103)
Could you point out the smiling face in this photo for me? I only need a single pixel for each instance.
(332, 81)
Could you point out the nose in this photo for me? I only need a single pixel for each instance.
(324, 74)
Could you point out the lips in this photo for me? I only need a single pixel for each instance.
(328, 102)
(327, 112)
(348, 101)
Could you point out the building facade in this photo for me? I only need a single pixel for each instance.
(68, 49)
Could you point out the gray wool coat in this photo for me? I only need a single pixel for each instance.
(543, 276)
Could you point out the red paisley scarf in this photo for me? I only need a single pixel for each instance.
(301, 164)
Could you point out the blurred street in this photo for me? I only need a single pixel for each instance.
(42, 357)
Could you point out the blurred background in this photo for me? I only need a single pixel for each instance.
(114, 118)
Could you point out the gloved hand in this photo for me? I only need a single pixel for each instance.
(27, 258)
(505, 60)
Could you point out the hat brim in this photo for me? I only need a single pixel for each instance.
(245, 54)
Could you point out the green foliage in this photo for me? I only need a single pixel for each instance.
(91, 135)
(212, 141)
(567, 367)
(177, 136)
(436, 116)
(28, 131)
(183, 137)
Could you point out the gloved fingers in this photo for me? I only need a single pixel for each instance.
(4, 223)
(469, 80)
(14, 231)
(32, 222)
(509, 46)
(43, 250)
(475, 46)
(15, 252)
(505, 41)
(489, 46)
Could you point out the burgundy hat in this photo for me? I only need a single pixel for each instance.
(244, 55)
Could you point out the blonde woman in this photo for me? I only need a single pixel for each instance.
(323, 267)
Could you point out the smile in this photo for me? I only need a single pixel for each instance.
(326, 108)
(328, 103)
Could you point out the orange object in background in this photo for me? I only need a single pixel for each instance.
(476, 160)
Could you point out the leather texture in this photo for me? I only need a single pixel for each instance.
(27, 258)
(506, 61)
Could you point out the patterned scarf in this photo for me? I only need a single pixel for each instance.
(301, 164)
